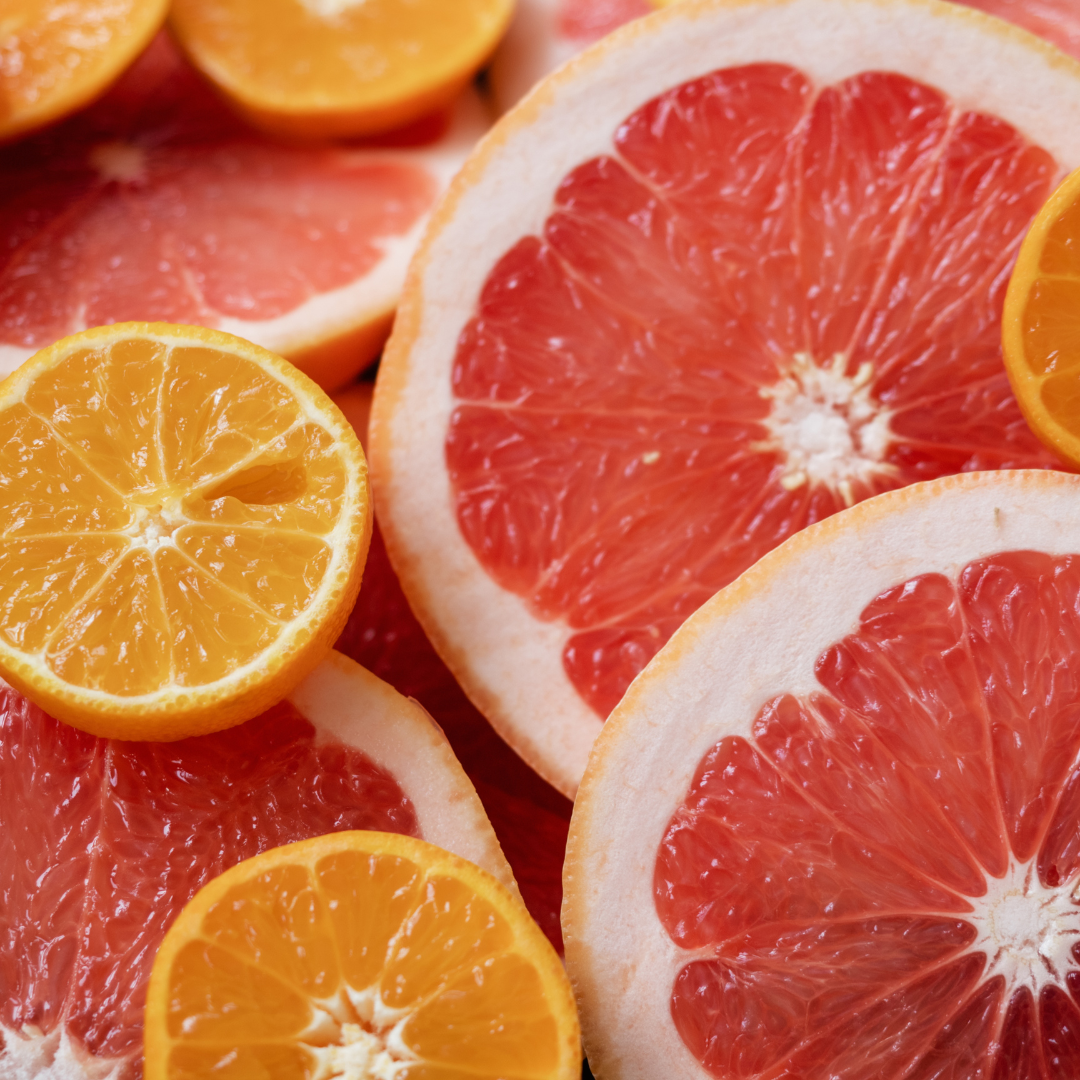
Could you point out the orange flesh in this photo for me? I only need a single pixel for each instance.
(106, 841)
(158, 205)
(163, 515)
(643, 388)
(830, 864)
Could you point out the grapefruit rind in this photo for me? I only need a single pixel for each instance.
(488, 636)
(738, 651)
(528, 940)
(1026, 381)
(175, 712)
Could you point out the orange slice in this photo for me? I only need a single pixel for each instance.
(331, 68)
(1041, 323)
(660, 323)
(361, 954)
(183, 522)
(831, 831)
(58, 55)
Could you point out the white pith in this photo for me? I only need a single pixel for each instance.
(1026, 930)
(327, 315)
(740, 650)
(510, 660)
(357, 1036)
(343, 701)
(826, 426)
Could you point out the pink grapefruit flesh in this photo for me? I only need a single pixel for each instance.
(727, 329)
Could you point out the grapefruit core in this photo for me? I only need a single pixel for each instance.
(105, 842)
(846, 797)
(157, 204)
(662, 321)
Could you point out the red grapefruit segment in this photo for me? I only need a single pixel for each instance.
(158, 205)
(108, 841)
(837, 907)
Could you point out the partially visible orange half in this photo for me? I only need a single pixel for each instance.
(58, 55)
(314, 69)
(183, 524)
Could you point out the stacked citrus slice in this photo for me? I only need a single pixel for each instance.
(832, 829)
(106, 841)
(725, 275)
(183, 524)
(58, 55)
(359, 954)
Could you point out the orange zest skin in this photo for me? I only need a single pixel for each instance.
(1041, 323)
(58, 57)
(184, 519)
(362, 949)
(318, 69)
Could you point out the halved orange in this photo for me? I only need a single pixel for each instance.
(331, 68)
(183, 523)
(1041, 323)
(58, 55)
(359, 954)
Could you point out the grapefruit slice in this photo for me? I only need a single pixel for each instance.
(58, 55)
(157, 204)
(359, 954)
(529, 817)
(1056, 20)
(105, 842)
(183, 524)
(661, 322)
(546, 33)
(832, 828)
(315, 69)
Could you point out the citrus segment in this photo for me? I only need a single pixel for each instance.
(58, 56)
(879, 856)
(158, 204)
(332, 68)
(705, 329)
(92, 880)
(209, 514)
(367, 953)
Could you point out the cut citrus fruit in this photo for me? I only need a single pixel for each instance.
(106, 841)
(1041, 323)
(360, 954)
(183, 523)
(546, 33)
(58, 55)
(317, 69)
(661, 322)
(158, 204)
(1056, 20)
(831, 831)
(529, 817)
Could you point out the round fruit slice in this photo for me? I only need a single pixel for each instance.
(106, 841)
(546, 33)
(58, 55)
(316, 69)
(159, 204)
(183, 524)
(529, 817)
(362, 954)
(662, 321)
(1041, 324)
(832, 828)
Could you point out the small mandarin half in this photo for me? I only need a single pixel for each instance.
(333, 68)
(359, 954)
(184, 518)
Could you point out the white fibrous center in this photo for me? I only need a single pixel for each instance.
(1027, 930)
(155, 525)
(355, 1036)
(826, 426)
